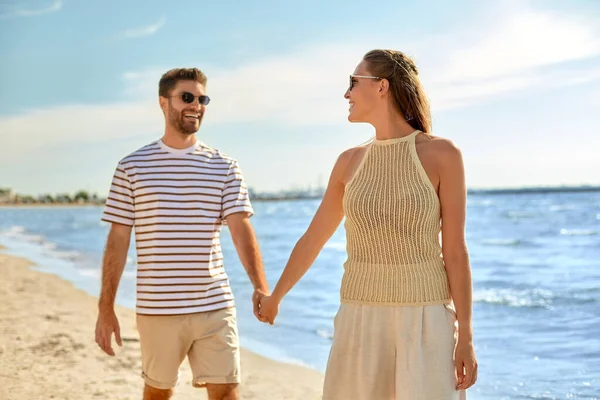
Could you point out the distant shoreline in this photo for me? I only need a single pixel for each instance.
(541, 189)
(275, 198)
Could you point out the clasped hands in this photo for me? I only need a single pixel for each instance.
(266, 306)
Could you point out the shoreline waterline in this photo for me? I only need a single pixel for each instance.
(47, 330)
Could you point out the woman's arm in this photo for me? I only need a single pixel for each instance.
(325, 222)
(453, 200)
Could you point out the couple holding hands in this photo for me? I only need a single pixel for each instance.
(404, 326)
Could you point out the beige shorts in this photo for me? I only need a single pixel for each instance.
(208, 339)
(393, 353)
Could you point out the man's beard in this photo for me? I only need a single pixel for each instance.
(179, 122)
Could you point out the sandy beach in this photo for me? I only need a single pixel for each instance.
(47, 348)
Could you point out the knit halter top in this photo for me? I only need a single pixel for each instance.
(393, 230)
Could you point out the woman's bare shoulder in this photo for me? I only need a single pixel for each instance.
(441, 146)
(347, 155)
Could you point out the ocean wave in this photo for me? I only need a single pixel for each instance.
(20, 233)
(515, 298)
(127, 273)
(501, 242)
(308, 211)
(16, 229)
(479, 203)
(325, 334)
(336, 246)
(563, 207)
(582, 299)
(67, 255)
(89, 272)
(578, 232)
(46, 247)
(50, 246)
(520, 214)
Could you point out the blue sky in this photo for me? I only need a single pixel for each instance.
(516, 84)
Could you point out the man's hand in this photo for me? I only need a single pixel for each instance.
(269, 308)
(257, 297)
(106, 325)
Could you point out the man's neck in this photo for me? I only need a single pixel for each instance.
(178, 140)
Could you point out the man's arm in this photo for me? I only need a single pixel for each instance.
(115, 257)
(248, 251)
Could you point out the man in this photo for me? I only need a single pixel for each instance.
(177, 193)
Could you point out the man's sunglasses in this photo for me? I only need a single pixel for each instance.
(189, 98)
(353, 77)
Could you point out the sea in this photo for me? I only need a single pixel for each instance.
(535, 259)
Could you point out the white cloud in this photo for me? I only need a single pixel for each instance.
(580, 77)
(143, 31)
(524, 41)
(14, 11)
(446, 96)
(523, 50)
(78, 124)
(304, 87)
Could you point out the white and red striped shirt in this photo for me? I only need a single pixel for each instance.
(177, 201)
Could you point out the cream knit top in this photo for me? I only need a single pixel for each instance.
(393, 230)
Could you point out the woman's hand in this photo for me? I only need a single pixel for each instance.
(466, 364)
(269, 307)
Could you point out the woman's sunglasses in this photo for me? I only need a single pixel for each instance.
(189, 98)
(353, 77)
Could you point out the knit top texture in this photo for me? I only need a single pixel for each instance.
(393, 230)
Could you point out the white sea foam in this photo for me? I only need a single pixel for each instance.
(515, 298)
(325, 334)
(501, 242)
(578, 232)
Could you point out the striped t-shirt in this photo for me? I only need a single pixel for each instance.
(177, 201)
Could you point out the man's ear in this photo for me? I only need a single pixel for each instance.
(162, 102)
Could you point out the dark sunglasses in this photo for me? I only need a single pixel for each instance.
(188, 98)
(353, 77)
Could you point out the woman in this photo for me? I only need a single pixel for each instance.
(403, 329)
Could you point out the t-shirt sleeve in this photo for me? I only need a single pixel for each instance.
(119, 207)
(235, 198)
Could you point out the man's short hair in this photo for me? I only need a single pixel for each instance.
(170, 78)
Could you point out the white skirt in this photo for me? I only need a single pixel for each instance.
(393, 353)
